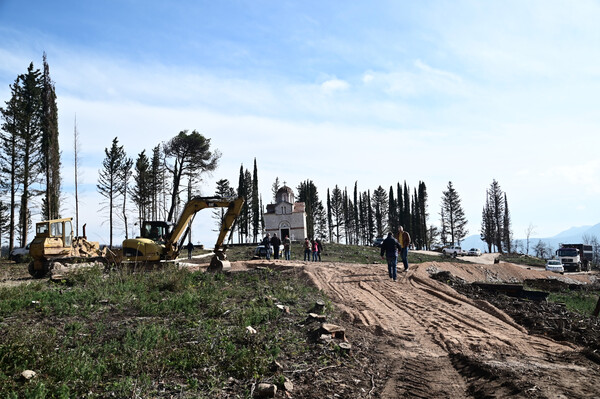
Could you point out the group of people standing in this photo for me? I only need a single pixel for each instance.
(274, 243)
(315, 247)
(391, 246)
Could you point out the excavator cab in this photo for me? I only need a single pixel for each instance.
(156, 231)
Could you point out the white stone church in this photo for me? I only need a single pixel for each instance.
(285, 216)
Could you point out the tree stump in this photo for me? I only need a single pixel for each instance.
(345, 347)
(319, 307)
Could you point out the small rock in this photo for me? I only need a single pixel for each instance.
(28, 374)
(325, 338)
(265, 391)
(288, 386)
(283, 308)
(251, 330)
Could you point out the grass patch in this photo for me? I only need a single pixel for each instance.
(521, 259)
(360, 254)
(149, 334)
(581, 301)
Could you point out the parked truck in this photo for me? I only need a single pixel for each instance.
(575, 257)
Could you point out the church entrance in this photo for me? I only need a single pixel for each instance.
(285, 232)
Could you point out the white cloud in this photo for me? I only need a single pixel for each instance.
(333, 85)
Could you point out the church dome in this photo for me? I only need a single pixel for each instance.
(285, 194)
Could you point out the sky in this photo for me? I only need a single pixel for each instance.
(372, 93)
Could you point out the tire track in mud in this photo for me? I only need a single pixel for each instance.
(441, 344)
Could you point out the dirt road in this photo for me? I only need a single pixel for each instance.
(440, 344)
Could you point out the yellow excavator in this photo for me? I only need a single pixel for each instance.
(54, 243)
(159, 242)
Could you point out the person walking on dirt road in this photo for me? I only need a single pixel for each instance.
(404, 240)
(390, 247)
(190, 248)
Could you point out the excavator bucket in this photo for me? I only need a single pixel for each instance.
(218, 266)
(219, 263)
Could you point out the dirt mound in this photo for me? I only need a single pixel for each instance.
(435, 341)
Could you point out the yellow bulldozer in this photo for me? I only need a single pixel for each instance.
(54, 243)
(161, 242)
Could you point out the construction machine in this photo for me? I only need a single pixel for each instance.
(54, 243)
(161, 242)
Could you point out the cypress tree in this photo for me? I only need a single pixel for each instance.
(393, 212)
(507, 234)
(50, 146)
(256, 208)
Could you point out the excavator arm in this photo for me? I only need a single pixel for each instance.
(174, 242)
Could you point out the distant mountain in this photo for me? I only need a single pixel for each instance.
(573, 232)
(574, 235)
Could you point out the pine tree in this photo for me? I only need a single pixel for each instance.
(316, 219)
(452, 215)
(496, 202)
(141, 192)
(337, 213)
(29, 143)
(487, 232)
(125, 176)
(110, 180)
(275, 187)
(223, 190)
(192, 156)
(9, 157)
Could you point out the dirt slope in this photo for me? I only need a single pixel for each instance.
(441, 344)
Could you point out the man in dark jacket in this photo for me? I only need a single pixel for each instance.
(266, 242)
(390, 247)
(275, 242)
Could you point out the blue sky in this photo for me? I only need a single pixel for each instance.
(374, 92)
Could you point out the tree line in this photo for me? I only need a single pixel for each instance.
(158, 184)
(29, 154)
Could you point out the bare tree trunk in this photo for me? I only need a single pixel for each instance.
(76, 161)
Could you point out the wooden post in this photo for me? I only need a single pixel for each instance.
(597, 310)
